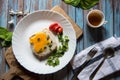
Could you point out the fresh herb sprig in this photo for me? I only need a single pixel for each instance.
(84, 4)
(53, 60)
(5, 37)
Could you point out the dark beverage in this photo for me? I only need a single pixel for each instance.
(95, 18)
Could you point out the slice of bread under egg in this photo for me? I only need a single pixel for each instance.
(43, 44)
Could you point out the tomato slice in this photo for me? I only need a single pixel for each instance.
(51, 27)
(60, 30)
(56, 28)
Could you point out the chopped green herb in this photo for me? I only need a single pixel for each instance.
(60, 37)
(53, 60)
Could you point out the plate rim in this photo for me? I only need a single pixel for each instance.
(26, 17)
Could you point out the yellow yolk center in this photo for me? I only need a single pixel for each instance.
(39, 41)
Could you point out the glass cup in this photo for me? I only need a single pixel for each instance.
(96, 18)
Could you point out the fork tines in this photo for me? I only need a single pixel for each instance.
(91, 53)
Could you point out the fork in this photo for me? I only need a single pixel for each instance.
(90, 55)
(108, 53)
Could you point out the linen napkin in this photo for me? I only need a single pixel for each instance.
(109, 66)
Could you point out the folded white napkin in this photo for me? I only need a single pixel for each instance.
(109, 66)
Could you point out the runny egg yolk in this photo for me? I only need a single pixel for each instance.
(39, 41)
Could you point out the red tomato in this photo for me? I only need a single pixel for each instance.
(51, 27)
(56, 28)
(60, 30)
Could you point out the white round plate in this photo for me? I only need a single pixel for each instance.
(36, 22)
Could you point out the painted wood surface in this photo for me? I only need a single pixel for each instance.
(111, 9)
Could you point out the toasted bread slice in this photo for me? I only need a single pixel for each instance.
(49, 47)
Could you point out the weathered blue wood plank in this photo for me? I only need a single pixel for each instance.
(45, 4)
(34, 5)
(116, 17)
(48, 4)
(56, 2)
(3, 13)
(71, 12)
(42, 4)
(103, 8)
(116, 21)
(20, 8)
(2, 61)
(79, 20)
(64, 6)
(3, 23)
(13, 4)
(27, 4)
(109, 18)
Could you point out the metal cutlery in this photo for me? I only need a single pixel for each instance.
(90, 55)
(108, 53)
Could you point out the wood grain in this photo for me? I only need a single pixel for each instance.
(2, 65)
(109, 18)
(20, 8)
(3, 23)
(49, 4)
(116, 22)
(79, 20)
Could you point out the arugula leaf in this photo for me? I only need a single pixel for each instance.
(3, 31)
(8, 36)
(5, 37)
(5, 43)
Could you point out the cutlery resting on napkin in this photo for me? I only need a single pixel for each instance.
(89, 56)
(110, 65)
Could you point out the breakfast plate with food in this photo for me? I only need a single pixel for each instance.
(44, 42)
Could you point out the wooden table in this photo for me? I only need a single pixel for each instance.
(111, 9)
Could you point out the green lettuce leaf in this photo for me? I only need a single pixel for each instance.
(5, 37)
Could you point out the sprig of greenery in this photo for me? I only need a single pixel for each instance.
(5, 37)
(84, 4)
(53, 60)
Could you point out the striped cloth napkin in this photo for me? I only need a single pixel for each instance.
(109, 66)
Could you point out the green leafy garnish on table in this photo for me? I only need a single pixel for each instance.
(5, 37)
(72, 2)
(84, 4)
(53, 60)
